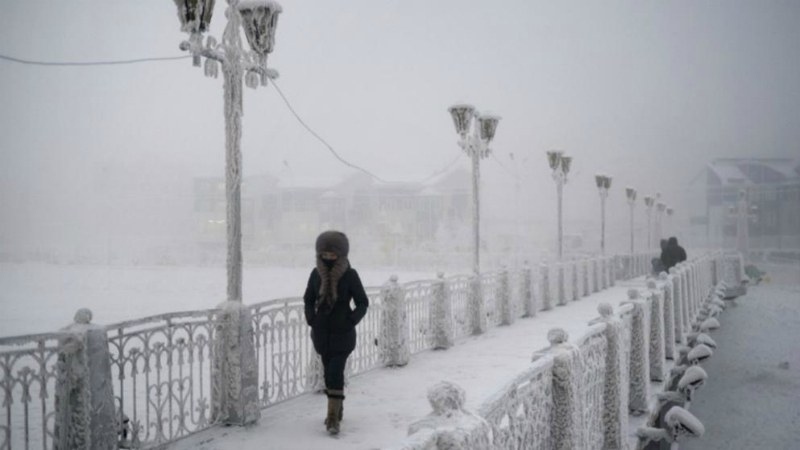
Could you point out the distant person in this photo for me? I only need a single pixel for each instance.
(658, 263)
(673, 254)
(331, 286)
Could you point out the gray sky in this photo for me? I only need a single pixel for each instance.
(646, 91)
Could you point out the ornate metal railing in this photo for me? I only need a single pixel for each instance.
(162, 367)
(458, 288)
(592, 347)
(28, 365)
(490, 283)
(367, 354)
(522, 411)
(419, 295)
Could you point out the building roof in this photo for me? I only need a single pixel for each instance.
(734, 171)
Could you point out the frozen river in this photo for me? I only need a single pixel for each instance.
(37, 298)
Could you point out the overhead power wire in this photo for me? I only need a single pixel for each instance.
(277, 89)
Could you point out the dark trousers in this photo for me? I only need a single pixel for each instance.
(334, 364)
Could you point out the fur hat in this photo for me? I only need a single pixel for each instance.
(334, 242)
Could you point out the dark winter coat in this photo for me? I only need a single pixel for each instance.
(673, 254)
(333, 330)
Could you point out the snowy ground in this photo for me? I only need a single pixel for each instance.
(38, 298)
(751, 398)
(382, 403)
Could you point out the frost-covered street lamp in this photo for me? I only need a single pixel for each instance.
(660, 208)
(648, 203)
(474, 138)
(258, 19)
(603, 185)
(560, 164)
(630, 194)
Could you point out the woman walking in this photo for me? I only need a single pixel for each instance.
(331, 287)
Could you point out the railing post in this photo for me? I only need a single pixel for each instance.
(477, 307)
(394, 340)
(688, 318)
(585, 278)
(639, 378)
(615, 398)
(441, 313)
(656, 303)
(234, 375)
(677, 304)
(669, 316)
(544, 287)
(576, 292)
(503, 300)
(85, 417)
(612, 272)
(450, 423)
(595, 276)
(567, 412)
(528, 297)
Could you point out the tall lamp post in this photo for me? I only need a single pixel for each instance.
(660, 208)
(648, 203)
(560, 165)
(474, 139)
(630, 194)
(259, 19)
(603, 185)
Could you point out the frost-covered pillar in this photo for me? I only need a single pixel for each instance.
(669, 316)
(394, 340)
(576, 292)
(441, 315)
(84, 399)
(562, 295)
(526, 291)
(613, 270)
(677, 305)
(544, 287)
(604, 268)
(656, 302)
(615, 395)
(451, 424)
(567, 412)
(234, 375)
(585, 274)
(503, 300)
(685, 308)
(595, 276)
(639, 377)
(477, 308)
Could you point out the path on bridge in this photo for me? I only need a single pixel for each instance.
(752, 397)
(382, 403)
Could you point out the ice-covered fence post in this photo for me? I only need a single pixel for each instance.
(477, 308)
(394, 340)
(585, 277)
(656, 303)
(603, 272)
(84, 399)
(454, 426)
(688, 317)
(613, 271)
(639, 360)
(234, 375)
(441, 313)
(595, 276)
(528, 297)
(503, 300)
(615, 395)
(544, 287)
(677, 305)
(576, 292)
(567, 413)
(562, 294)
(669, 316)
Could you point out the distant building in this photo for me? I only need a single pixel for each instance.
(772, 185)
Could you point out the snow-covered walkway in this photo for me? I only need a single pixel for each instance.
(751, 398)
(382, 403)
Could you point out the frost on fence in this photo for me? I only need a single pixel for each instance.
(418, 298)
(442, 334)
(615, 394)
(639, 359)
(459, 292)
(453, 426)
(162, 368)
(27, 388)
(656, 302)
(393, 338)
(592, 376)
(669, 317)
(284, 352)
(488, 309)
(520, 414)
(366, 355)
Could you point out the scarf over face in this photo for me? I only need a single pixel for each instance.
(334, 242)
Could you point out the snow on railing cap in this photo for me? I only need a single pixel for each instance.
(633, 294)
(252, 4)
(605, 310)
(684, 422)
(699, 353)
(557, 336)
(83, 316)
(709, 324)
(694, 375)
(446, 396)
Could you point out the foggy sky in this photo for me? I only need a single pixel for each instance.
(647, 92)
